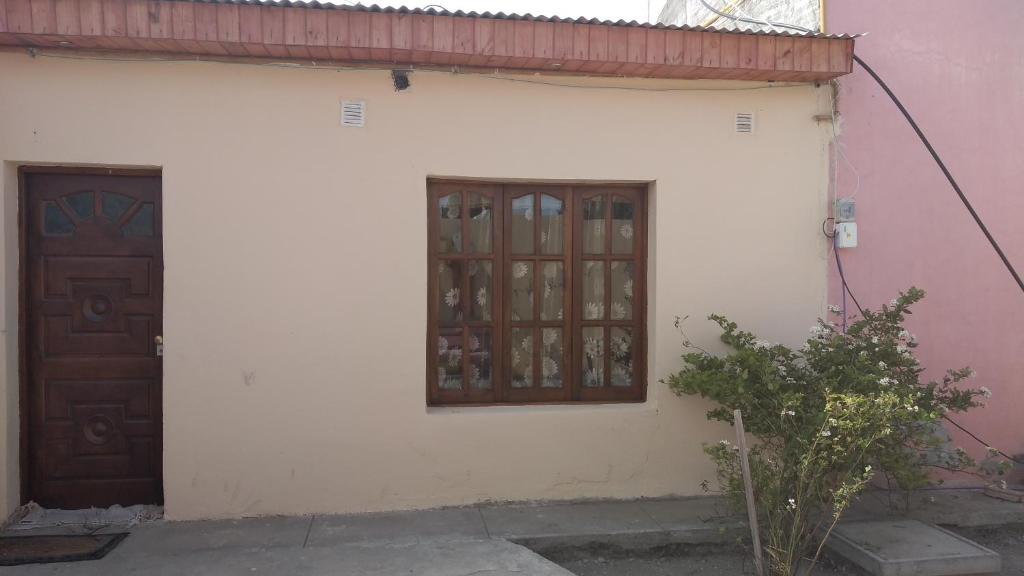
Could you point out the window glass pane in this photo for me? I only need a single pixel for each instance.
(55, 221)
(521, 357)
(622, 291)
(522, 291)
(622, 225)
(141, 223)
(82, 203)
(593, 225)
(115, 205)
(522, 225)
(449, 360)
(553, 299)
(480, 286)
(592, 370)
(450, 223)
(593, 290)
(551, 369)
(552, 224)
(481, 218)
(622, 357)
(480, 372)
(449, 287)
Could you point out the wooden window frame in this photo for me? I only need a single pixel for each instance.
(572, 323)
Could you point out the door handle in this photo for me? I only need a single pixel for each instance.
(159, 341)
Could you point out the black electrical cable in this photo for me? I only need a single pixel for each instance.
(842, 277)
(945, 171)
(846, 287)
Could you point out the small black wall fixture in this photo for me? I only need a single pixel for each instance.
(400, 79)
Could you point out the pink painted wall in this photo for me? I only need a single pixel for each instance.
(959, 68)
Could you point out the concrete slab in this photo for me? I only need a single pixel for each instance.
(427, 558)
(910, 548)
(583, 518)
(404, 527)
(188, 537)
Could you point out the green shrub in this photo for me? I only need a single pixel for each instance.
(826, 418)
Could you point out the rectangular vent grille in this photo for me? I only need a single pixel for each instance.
(744, 123)
(353, 114)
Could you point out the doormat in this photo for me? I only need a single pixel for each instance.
(17, 550)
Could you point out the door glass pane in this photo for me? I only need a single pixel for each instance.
(141, 223)
(551, 369)
(522, 225)
(114, 205)
(622, 357)
(553, 300)
(593, 225)
(552, 225)
(481, 222)
(449, 360)
(480, 367)
(593, 290)
(622, 226)
(481, 287)
(450, 224)
(55, 221)
(82, 203)
(592, 369)
(449, 287)
(521, 357)
(522, 291)
(622, 291)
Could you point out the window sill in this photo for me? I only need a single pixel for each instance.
(542, 407)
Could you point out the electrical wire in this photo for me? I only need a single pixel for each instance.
(945, 171)
(755, 21)
(980, 441)
(36, 53)
(842, 276)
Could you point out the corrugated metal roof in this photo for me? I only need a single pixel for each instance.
(504, 16)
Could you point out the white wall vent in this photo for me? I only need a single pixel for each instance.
(744, 123)
(353, 114)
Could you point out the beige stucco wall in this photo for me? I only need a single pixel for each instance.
(295, 288)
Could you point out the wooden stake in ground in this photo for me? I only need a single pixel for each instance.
(748, 487)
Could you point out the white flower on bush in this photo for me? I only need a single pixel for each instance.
(826, 433)
(834, 309)
(894, 302)
(985, 392)
(762, 344)
(874, 339)
(788, 413)
(882, 365)
(885, 381)
(792, 504)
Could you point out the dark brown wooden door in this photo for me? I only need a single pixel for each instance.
(95, 279)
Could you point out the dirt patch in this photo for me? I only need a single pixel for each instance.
(673, 560)
(1007, 540)
(730, 560)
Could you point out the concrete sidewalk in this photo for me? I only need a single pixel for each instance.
(489, 539)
